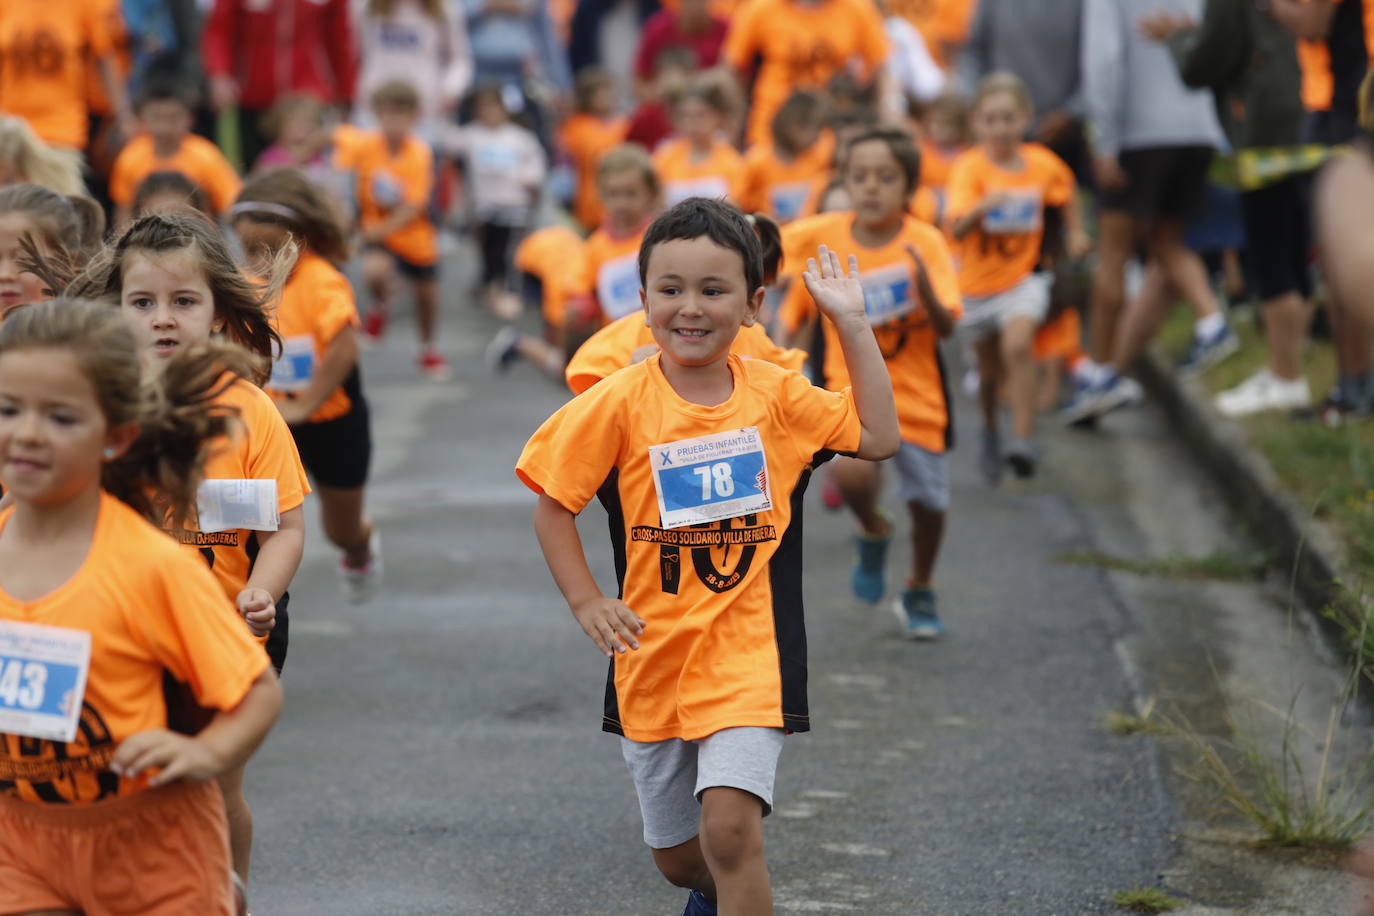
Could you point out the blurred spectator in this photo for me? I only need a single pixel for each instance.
(651, 122)
(104, 135)
(691, 27)
(422, 41)
(911, 72)
(1337, 44)
(944, 24)
(258, 50)
(513, 44)
(584, 41)
(25, 159)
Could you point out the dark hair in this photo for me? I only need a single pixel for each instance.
(770, 243)
(717, 91)
(590, 80)
(285, 197)
(163, 84)
(488, 92)
(174, 409)
(800, 108)
(169, 183)
(902, 147)
(722, 223)
(70, 226)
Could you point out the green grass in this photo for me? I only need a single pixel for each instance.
(1220, 566)
(1145, 900)
(1133, 722)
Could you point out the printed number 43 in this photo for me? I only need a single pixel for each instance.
(717, 477)
(21, 684)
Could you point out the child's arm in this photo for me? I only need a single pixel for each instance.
(230, 739)
(1076, 239)
(279, 554)
(398, 219)
(940, 318)
(841, 298)
(339, 359)
(965, 223)
(608, 621)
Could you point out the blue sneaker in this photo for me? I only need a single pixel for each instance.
(915, 611)
(870, 566)
(698, 905)
(1210, 350)
(1092, 399)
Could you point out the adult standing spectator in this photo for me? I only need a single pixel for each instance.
(422, 42)
(259, 50)
(691, 27)
(514, 46)
(1153, 139)
(944, 24)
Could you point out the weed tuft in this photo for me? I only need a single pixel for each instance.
(1145, 900)
(1128, 722)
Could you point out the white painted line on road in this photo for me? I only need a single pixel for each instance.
(864, 850)
(321, 628)
(824, 793)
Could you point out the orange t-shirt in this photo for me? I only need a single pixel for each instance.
(261, 449)
(725, 644)
(150, 608)
(586, 138)
(802, 47)
(316, 305)
(683, 176)
(784, 190)
(1060, 338)
(388, 180)
(44, 48)
(905, 336)
(610, 273)
(553, 254)
(612, 348)
(940, 22)
(197, 158)
(1005, 249)
(927, 205)
(97, 99)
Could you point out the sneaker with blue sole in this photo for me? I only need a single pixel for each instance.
(870, 566)
(915, 612)
(1096, 398)
(1210, 350)
(697, 905)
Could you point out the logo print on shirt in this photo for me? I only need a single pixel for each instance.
(58, 772)
(703, 541)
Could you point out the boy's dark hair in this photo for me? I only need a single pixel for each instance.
(902, 147)
(162, 84)
(722, 223)
(589, 81)
(398, 94)
(800, 108)
(169, 182)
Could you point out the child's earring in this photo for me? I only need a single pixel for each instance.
(109, 453)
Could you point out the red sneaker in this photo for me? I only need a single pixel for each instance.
(830, 494)
(434, 366)
(374, 325)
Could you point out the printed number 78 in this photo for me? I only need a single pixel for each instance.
(717, 476)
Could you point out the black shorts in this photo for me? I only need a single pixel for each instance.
(338, 452)
(1278, 238)
(1164, 182)
(281, 630)
(408, 269)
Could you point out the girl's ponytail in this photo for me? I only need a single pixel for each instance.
(770, 239)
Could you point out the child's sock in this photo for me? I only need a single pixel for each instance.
(1209, 325)
(1357, 390)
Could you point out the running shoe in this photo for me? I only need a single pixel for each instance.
(831, 497)
(240, 896)
(360, 583)
(990, 458)
(1099, 397)
(870, 566)
(1022, 455)
(433, 365)
(697, 905)
(1264, 391)
(1333, 412)
(374, 326)
(503, 350)
(915, 612)
(1209, 350)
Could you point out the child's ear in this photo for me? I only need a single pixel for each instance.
(644, 303)
(751, 309)
(118, 439)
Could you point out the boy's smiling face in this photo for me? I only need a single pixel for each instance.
(696, 298)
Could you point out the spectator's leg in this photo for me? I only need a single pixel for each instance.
(1143, 316)
(1116, 236)
(1181, 265)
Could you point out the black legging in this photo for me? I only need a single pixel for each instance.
(495, 241)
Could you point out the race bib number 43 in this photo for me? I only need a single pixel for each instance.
(42, 679)
(711, 478)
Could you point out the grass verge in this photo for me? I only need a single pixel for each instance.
(1220, 566)
(1145, 900)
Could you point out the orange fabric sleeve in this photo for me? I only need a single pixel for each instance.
(742, 40)
(130, 166)
(273, 456)
(820, 419)
(570, 456)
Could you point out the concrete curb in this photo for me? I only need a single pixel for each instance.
(1313, 557)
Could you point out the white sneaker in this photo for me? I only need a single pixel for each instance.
(1264, 391)
(360, 584)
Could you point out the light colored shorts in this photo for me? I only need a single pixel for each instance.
(923, 477)
(987, 315)
(671, 775)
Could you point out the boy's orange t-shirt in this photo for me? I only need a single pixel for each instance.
(612, 348)
(610, 273)
(905, 336)
(388, 180)
(684, 176)
(784, 190)
(553, 254)
(927, 205)
(44, 49)
(151, 609)
(586, 138)
(261, 449)
(97, 99)
(802, 47)
(725, 642)
(197, 158)
(316, 304)
(1005, 248)
(1060, 338)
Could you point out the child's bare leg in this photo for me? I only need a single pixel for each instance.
(860, 483)
(732, 843)
(1050, 375)
(240, 818)
(426, 293)
(379, 273)
(542, 353)
(684, 866)
(1019, 361)
(341, 512)
(928, 531)
(989, 351)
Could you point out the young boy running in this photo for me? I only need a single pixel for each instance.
(702, 459)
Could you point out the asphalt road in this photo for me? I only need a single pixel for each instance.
(440, 750)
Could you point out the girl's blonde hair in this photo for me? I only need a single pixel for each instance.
(1004, 81)
(38, 163)
(286, 197)
(629, 157)
(71, 227)
(174, 410)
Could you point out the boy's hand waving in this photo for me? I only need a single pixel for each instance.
(838, 296)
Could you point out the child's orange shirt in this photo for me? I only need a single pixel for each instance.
(725, 644)
(316, 305)
(44, 46)
(802, 47)
(388, 180)
(940, 22)
(683, 175)
(1005, 248)
(905, 335)
(610, 273)
(1060, 338)
(586, 138)
(613, 347)
(150, 608)
(263, 449)
(197, 158)
(927, 206)
(554, 255)
(784, 190)
(112, 17)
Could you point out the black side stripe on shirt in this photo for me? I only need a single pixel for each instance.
(609, 497)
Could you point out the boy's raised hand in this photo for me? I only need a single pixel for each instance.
(837, 295)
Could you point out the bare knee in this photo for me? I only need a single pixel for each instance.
(732, 832)
(684, 866)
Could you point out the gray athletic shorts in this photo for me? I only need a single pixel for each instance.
(986, 315)
(671, 775)
(923, 477)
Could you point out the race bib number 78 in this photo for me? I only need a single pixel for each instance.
(711, 478)
(42, 679)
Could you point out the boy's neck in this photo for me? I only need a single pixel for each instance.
(394, 144)
(165, 148)
(877, 235)
(708, 385)
(1007, 158)
(700, 148)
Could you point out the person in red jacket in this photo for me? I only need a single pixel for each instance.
(259, 50)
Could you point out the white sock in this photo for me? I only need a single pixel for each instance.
(1209, 325)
